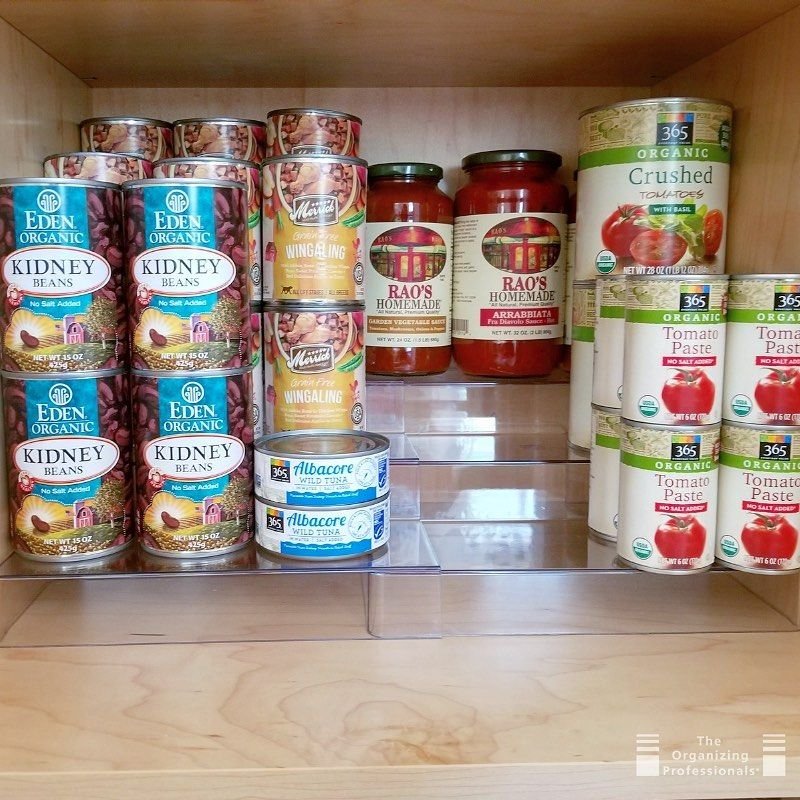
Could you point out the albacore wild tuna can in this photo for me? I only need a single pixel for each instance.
(188, 264)
(63, 308)
(322, 533)
(148, 138)
(667, 496)
(306, 131)
(229, 169)
(604, 472)
(68, 446)
(674, 349)
(653, 186)
(322, 468)
(609, 341)
(314, 227)
(109, 167)
(221, 136)
(314, 366)
(580, 389)
(762, 352)
(759, 498)
(194, 462)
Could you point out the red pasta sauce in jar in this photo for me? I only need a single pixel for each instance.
(509, 258)
(409, 277)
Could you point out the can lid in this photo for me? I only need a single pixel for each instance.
(656, 426)
(220, 121)
(322, 112)
(207, 159)
(322, 443)
(405, 170)
(792, 430)
(290, 306)
(143, 183)
(547, 157)
(94, 154)
(657, 101)
(607, 409)
(678, 276)
(48, 182)
(311, 158)
(771, 276)
(179, 374)
(63, 376)
(159, 123)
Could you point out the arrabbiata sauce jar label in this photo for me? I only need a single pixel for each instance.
(63, 308)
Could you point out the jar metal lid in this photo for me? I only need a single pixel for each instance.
(547, 157)
(399, 169)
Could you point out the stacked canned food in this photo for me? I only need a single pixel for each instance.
(64, 359)
(321, 489)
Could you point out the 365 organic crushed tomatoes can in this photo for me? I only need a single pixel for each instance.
(667, 496)
(762, 353)
(653, 186)
(759, 498)
(674, 348)
(580, 388)
(609, 341)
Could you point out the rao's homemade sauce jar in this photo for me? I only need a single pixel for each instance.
(409, 278)
(509, 259)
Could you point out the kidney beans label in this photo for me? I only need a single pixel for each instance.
(508, 276)
(409, 284)
(69, 459)
(758, 529)
(653, 188)
(61, 259)
(314, 370)
(194, 474)
(667, 497)
(762, 355)
(188, 277)
(674, 349)
(314, 228)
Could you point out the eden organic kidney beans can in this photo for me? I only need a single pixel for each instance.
(194, 461)
(63, 308)
(188, 265)
(759, 498)
(674, 348)
(762, 353)
(609, 341)
(68, 446)
(604, 472)
(667, 496)
(314, 366)
(653, 187)
(509, 260)
(580, 389)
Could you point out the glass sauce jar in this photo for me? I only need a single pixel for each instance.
(509, 263)
(409, 280)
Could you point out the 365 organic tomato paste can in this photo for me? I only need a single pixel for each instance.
(674, 348)
(609, 341)
(68, 442)
(314, 227)
(580, 389)
(604, 472)
(227, 169)
(63, 308)
(762, 352)
(314, 366)
(653, 186)
(188, 262)
(194, 461)
(667, 496)
(759, 498)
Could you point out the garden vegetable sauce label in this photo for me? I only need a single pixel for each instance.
(653, 187)
(508, 276)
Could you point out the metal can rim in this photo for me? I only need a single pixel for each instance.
(140, 183)
(38, 376)
(626, 562)
(380, 443)
(656, 426)
(61, 182)
(205, 373)
(607, 409)
(324, 509)
(238, 162)
(791, 429)
(221, 120)
(586, 284)
(329, 112)
(648, 101)
(280, 306)
(315, 157)
(94, 154)
(158, 123)
(782, 276)
(683, 276)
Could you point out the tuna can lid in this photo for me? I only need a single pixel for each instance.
(547, 157)
(319, 112)
(405, 170)
(322, 443)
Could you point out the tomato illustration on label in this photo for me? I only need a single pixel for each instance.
(778, 393)
(658, 248)
(681, 538)
(621, 228)
(770, 539)
(689, 394)
(713, 226)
